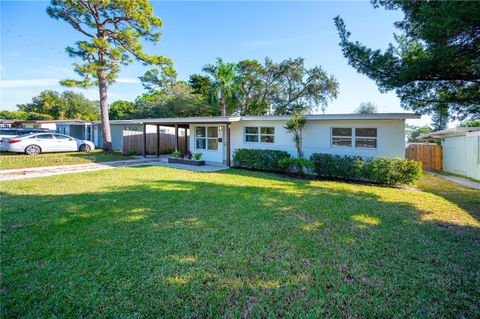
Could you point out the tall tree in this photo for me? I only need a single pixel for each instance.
(61, 106)
(121, 110)
(224, 89)
(366, 108)
(299, 88)
(113, 30)
(434, 62)
(200, 84)
(250, 78)
(158, 80)
(440, 118)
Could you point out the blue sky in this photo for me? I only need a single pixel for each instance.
(32, 55)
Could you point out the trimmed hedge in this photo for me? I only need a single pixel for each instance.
(380, 170)
(265, 160)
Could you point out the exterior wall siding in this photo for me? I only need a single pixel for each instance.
(461, 155)
(317, 137)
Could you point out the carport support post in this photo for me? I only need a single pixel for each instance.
(186, 139)
(144, 140)
(176, 137)
(158, 140)
(228, 144)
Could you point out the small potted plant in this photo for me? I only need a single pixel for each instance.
(186, 158)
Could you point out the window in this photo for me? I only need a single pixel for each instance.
(45, 136)
(255, 134)
(366, 137)
(206, 137)
(61, 137)
(341, 137)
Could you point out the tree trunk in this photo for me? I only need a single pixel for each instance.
(223, 106)
(102, 87)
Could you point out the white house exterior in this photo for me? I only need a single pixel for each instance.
(366, 135)
(461, 150)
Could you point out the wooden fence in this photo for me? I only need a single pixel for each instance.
(133, 142)
(429, 154)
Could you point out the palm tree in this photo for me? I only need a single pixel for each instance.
(223, 90)
(295, 126)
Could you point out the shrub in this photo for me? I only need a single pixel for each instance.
(266, 160)
(176, 154)
(132, 151)
(197, 156)
(296, 165)
(380, 170)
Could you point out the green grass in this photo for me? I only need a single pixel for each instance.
(14, 160)
(158, 242)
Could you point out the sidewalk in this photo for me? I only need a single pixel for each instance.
(22, 173)
(459, 180)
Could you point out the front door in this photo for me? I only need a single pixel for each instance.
(209, 141)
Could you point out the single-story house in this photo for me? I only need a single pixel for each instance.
(366, 135)
(45, 124)
(460, 150)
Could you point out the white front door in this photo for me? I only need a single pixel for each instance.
(209, 140)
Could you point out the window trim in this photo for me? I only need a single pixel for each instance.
(337, 136)
(353, 138)
(206, 138)
(258, 134)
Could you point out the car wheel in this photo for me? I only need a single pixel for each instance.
(84, 148)
(33, 150)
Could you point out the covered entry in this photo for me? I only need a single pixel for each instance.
(209, 136)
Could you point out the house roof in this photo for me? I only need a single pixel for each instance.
(310, 117)
(37, 121)
(457, 131)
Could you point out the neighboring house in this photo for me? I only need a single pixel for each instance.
(45, 124)
(366, 135)
(461, 150)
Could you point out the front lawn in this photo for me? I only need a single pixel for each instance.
(15, 160)
(153, 242)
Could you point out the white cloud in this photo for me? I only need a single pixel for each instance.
(28, 83)
(128, 80)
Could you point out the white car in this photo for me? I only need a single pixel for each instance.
(37, 143)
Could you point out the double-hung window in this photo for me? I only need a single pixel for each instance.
(206, 138)
(262, 134)
(366, 137)
(354, 137)
(341, 137)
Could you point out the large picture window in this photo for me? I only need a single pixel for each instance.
(262, 134)
(354, 137)
(206, 138)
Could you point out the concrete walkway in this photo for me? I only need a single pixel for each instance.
(459, 180)
(23, 173)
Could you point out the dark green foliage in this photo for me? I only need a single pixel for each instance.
(366, 108)
(50, 104)
(434, 61)
(299, 166)
(200, 84)
(123, 110)
(380, 170)
(470, 123)
(266, 160)
(19, 115)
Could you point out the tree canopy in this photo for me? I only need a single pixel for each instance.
(435, 61)
(51, 104)
(112, 32)
(366, 108)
